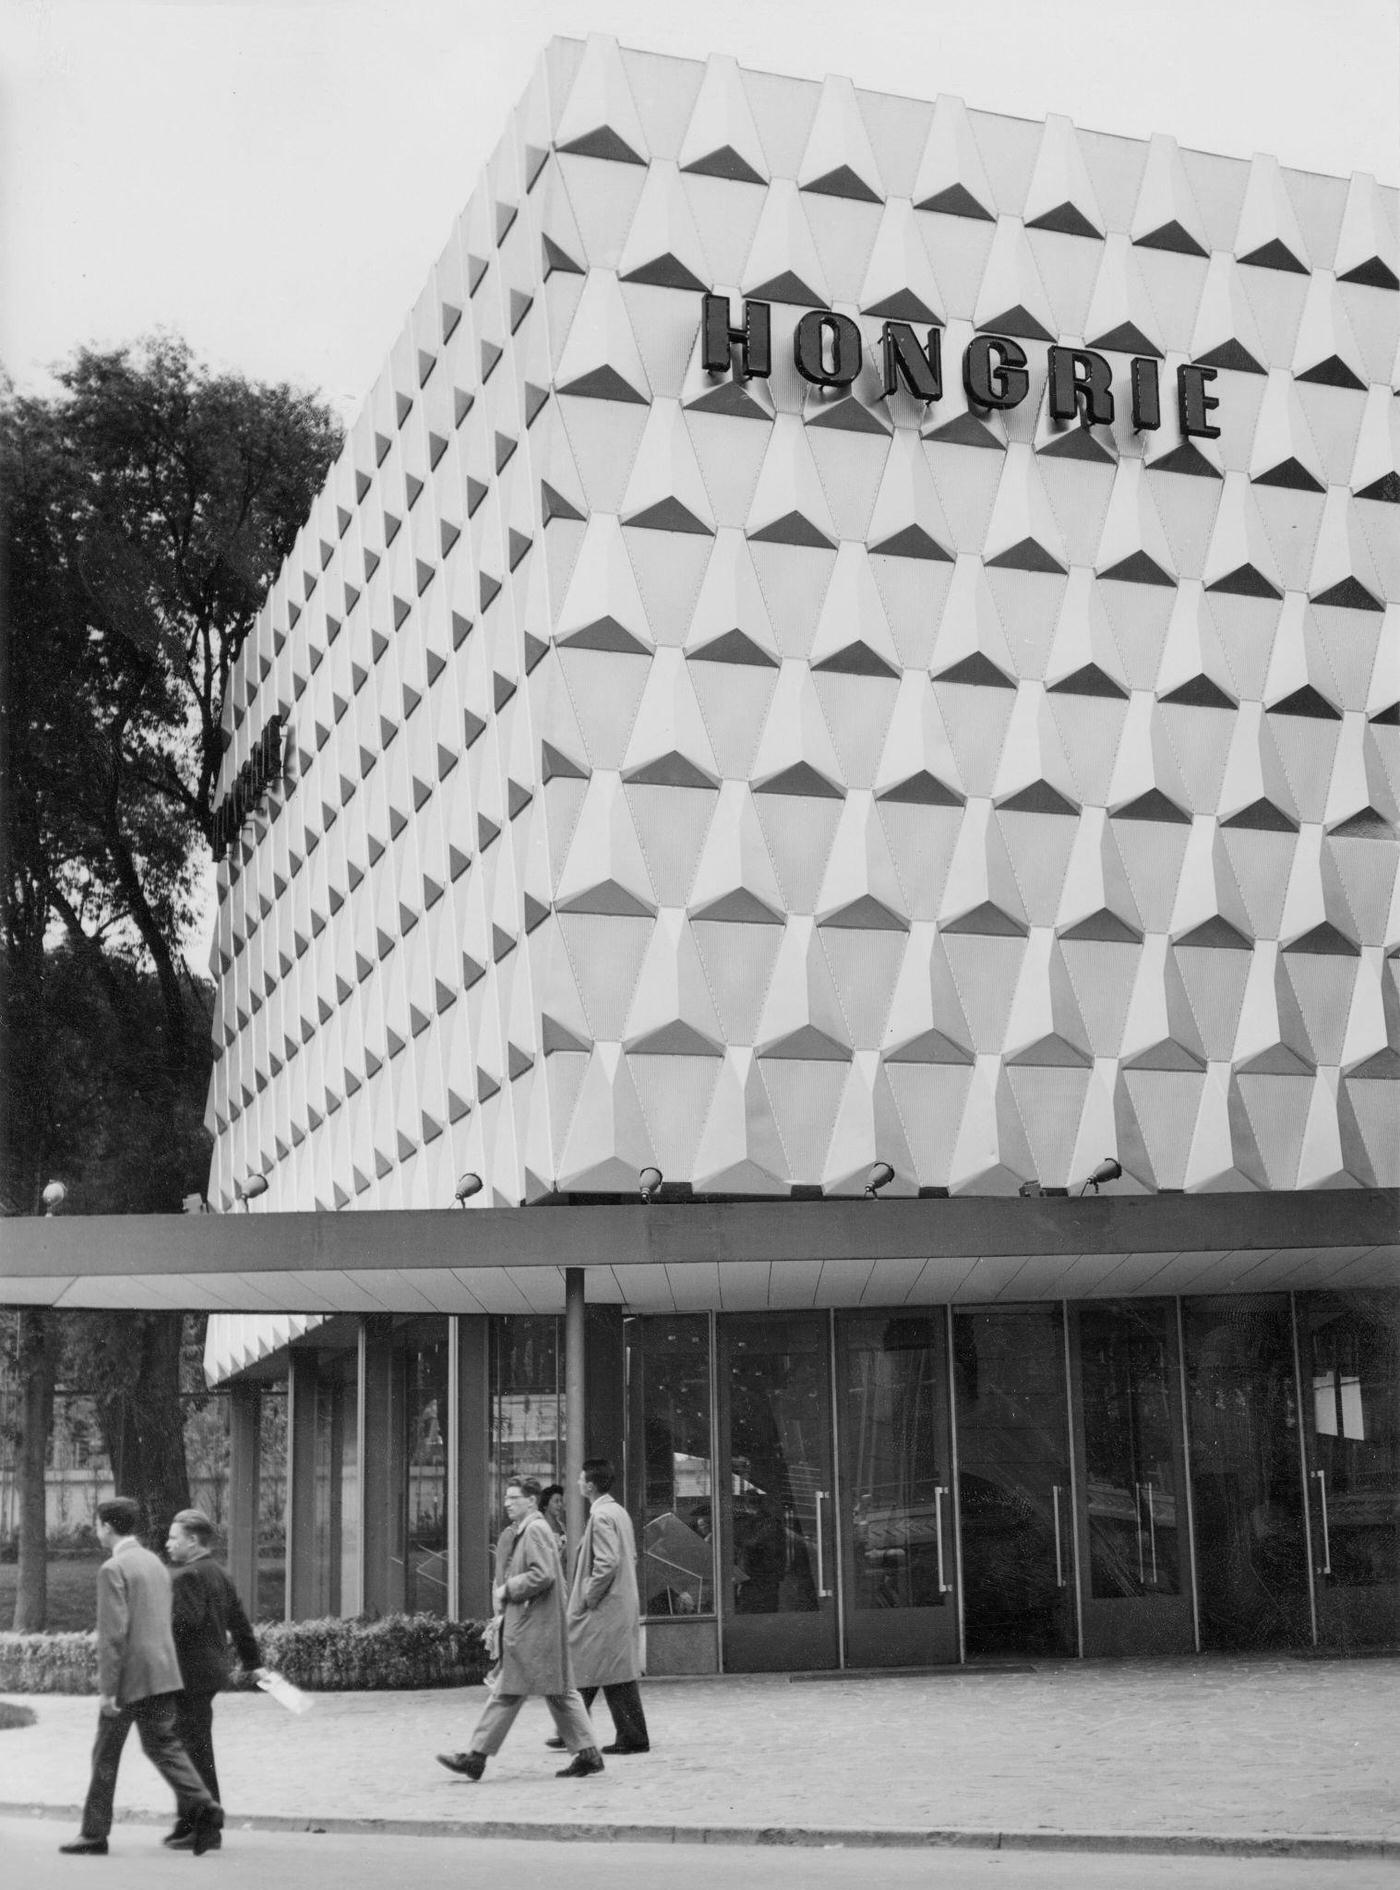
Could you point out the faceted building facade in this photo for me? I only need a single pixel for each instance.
(756, 778)
(848, 632)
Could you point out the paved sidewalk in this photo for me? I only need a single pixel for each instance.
(1236, 1756)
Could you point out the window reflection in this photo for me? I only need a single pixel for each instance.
(527, 1403)
(1242, 1419)
(1130, 1480)
(424, 1368)
(780, 1445)
(336, 1502)
(892, 1380)
(1356, 1433)
(669, 1380)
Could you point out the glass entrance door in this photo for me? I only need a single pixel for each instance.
(1350, 1347)
(778, 1576)
(1131, 1520)
(1015, 1493)
(1246, 1477)
(896, 1507)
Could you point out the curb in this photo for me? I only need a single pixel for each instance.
(810, 1837)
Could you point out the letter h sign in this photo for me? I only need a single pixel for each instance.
(754, 339)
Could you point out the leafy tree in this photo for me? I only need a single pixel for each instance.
(149, 504)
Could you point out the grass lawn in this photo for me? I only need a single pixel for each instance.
(73, 1593)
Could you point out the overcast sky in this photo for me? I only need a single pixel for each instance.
(274, 181)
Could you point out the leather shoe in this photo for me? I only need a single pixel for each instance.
(85, 1847)
(556, 1744)
(208, 1823)
(584, 1764)
(181, 1838)
(619, 1748)
(469, 1764)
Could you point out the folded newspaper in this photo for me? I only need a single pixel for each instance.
(285, 1693)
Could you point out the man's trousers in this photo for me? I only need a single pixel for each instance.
(154, 1720)
(624, 1698)
(194, 1727)
(567, 1710)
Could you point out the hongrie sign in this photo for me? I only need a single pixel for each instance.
(829, 350)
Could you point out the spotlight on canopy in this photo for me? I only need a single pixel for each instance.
(1108, 1170)
(466, 1188)
(880, 1176)
(649, 1184)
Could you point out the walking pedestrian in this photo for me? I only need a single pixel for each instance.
(138, 1677)
(605, 1618)
(552, 1509)
(205, 1613)
(529, 1597)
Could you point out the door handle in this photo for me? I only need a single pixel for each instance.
(1059, 1547)
(944, 1588)
(823, 1496)
(1326, 1568)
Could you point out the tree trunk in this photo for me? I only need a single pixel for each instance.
(143, 1420)
(36, 1364)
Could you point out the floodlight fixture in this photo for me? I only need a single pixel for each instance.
(649, 1185)
(249, 1189)
(53, 1197)
(468, 1186)
(880, 1176)
(1109, 1169)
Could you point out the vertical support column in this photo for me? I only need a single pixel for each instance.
(1186, 1478)
(1301, 1394)
(301, 1485)
(604, 1387)
(471, 1467)
(574, 1397)
(452, 1431)
(244, 1484)
(381, 1579)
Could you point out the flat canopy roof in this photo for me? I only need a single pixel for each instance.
(736, 1256)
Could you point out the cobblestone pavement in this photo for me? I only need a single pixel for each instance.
(1233, 1753)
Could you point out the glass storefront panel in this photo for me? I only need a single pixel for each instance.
(668, 1375)
(527, 1403)
(423, 1367)
(1246, 1473)
(271, 1600)
(336, 1559)
(1130, 1494)
(1351, 1355)
(778, 1537)
(895, 1500)
(898, 1478)
(1014, 1486)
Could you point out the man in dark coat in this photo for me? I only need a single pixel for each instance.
(138, 1677)
(205, 1613)
(529, 1598)
(605, 1641)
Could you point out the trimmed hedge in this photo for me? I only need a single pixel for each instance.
(410, 1651)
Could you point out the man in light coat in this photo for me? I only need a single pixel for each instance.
(529, 1597)
(138, 1677)
(605, 1623)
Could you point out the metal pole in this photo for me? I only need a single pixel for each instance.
(574, 1414)
(452, 1435)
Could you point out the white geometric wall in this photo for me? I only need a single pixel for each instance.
(750, 781)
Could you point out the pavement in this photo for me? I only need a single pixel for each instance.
(1250, 1757)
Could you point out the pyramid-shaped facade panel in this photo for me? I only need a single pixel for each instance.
(844, 630)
